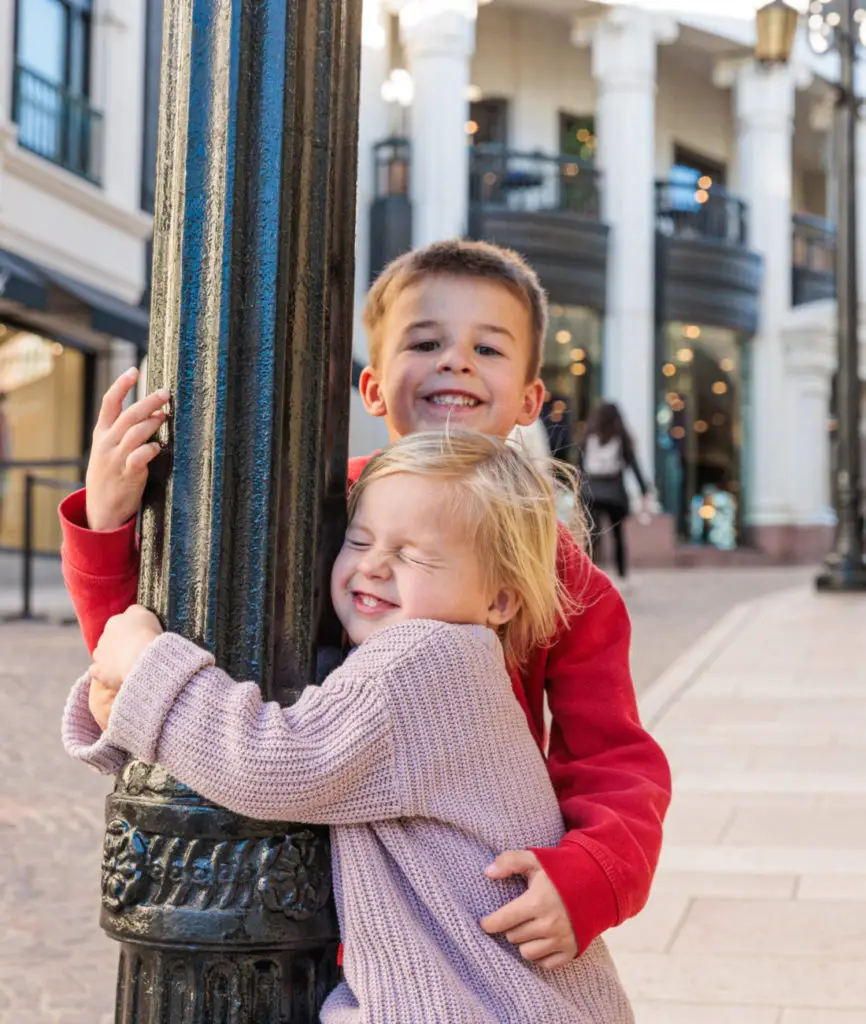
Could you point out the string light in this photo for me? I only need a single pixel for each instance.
(578, 355)
(685, 355)
(720, 388)
(705, 182)
(471, 127)
(669, 370)
(701, 426)
(727, 365)
(578, 369)
(678, 433)
(563, 337)
(692, 331)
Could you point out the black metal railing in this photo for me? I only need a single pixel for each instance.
(57, 124)
(813, 258)
(532, 182)
(688, 211)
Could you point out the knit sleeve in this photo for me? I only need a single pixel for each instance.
(82, 737)
(328, 759)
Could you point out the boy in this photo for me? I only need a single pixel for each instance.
(455, 334)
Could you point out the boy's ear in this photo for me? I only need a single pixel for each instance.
(371, 393)
(504, 607)
(533, 399)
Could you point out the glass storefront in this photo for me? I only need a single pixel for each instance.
(572, 375)
(700, 410)
(42, 409)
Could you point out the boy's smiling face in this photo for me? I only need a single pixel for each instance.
(454, 350)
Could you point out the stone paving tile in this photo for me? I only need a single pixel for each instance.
(822, 1017)
(832, 887)
(654, 929)
(730, 886)
(800, 928)
(791, 827)
(694, 1013)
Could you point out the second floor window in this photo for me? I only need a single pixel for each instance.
(52, 84)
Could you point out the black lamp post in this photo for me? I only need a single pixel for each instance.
(839, 25)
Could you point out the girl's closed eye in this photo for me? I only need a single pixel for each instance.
(358, 543)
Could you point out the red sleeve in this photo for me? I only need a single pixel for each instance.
(100, 569)
(611, 777)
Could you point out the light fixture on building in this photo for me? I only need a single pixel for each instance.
(776, 26)
(727, 365)
(692, 331)
(578, 355)
(669, 370)
(701, 426)
(57, 349)
(399, 88)
(563, 337)
(720, 387)
(685, 355)
(578, 369)
(473, 93)
(705, 182)
(701, 196)
(471, 127)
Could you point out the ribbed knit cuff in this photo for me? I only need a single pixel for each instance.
(149, 692)
(96, 553)
(82, 737)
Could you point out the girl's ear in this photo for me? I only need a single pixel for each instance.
(504, 607)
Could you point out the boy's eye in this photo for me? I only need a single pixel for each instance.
(425, 345)
(487, 350)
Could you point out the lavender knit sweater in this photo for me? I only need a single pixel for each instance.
(418, 754)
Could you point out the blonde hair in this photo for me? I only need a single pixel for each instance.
(458, 258)
(508, 505)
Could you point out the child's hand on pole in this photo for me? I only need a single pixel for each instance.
(124, 640)
(537, 921)
(121, 452)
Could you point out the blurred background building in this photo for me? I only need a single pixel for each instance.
(74, 225)
(672, 195)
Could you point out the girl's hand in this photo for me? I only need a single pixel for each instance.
(122, 643)
(537, 921)
(101, 701)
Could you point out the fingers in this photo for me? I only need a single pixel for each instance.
(137, 435)
(142, 457)
(550, 963)
(514, 914)
(112, 401)
(512, 862)
(137, 413)
(539, 949)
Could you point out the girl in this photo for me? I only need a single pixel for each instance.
(415, 750)
(606, 453)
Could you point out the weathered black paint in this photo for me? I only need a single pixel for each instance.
(224, 919)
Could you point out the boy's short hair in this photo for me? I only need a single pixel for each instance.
(459, 258)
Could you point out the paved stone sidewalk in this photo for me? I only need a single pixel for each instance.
(758, 915)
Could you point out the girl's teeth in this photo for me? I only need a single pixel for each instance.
(369, 602)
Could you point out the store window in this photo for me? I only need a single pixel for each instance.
(42, 410)
(571, 375)
(703, 387)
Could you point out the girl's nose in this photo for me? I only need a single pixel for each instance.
(375, 565)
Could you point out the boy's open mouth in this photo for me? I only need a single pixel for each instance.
(453, 399)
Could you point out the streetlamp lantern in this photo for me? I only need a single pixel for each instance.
(838, 25)
(776, 24)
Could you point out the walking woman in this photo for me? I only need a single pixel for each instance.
(607, 451)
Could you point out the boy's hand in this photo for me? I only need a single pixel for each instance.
(122, 643)
(101, 701)
(121, 453)
(537, 921)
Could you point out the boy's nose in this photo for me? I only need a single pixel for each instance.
(453, 360)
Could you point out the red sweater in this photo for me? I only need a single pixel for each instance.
(611, 778)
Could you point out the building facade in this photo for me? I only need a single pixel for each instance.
(673, 197)
(73, 234)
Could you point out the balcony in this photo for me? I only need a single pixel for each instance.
(548, 208)
(813, 259)
(57, 125)
(706, 273)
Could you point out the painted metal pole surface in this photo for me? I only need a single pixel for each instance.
(844, 569)
(223, 919)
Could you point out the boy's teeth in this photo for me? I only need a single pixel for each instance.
(453, 400)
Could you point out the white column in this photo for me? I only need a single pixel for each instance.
(764, 107)
(624, 44)
(7, 57)
(119, 94)
(372, 128)
(810, 361)
(439, 39)
(861, 214)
